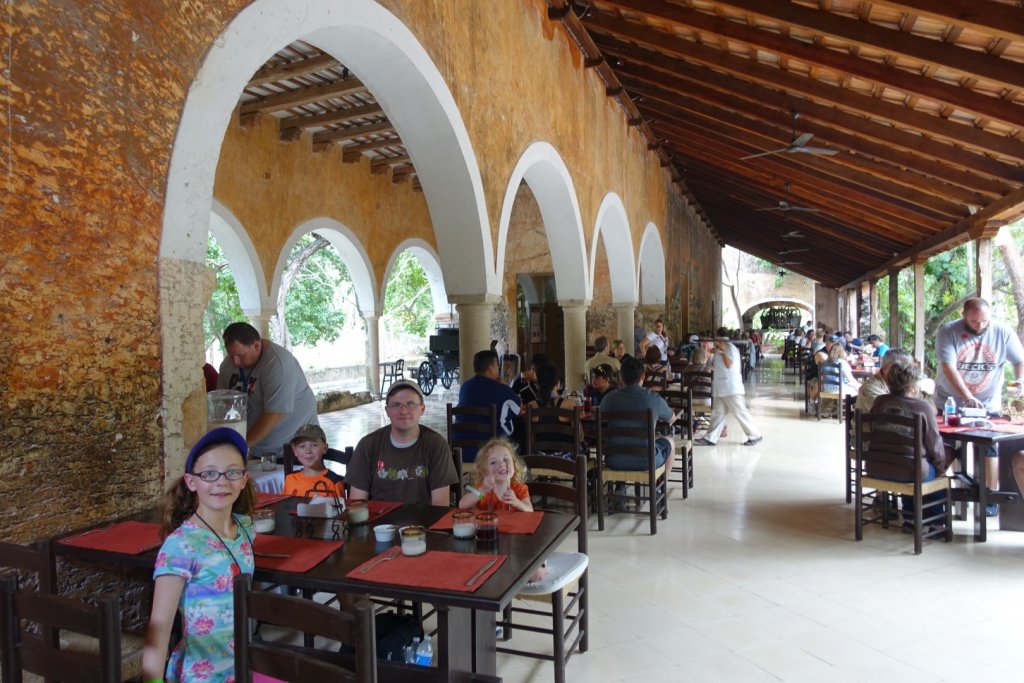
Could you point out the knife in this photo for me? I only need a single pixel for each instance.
(390, 555)
(482, 571)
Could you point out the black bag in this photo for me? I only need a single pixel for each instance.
(394, 633)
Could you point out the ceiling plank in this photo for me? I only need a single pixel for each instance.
(910, 83)
(354, 152)
(342, 134)
(270, 73)
(300, 96)
(998, 19)
(868, 106)
(331, 117)
(1004, 72)
(694, 78)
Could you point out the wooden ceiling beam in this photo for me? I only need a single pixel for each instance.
(841, 62)
(353, 153)
(659, 104)
(935, 53)
(793, 83)
(699, 79)
(1003, 20)
(301, 96)
(271, 73)
(342, 134)
(384, 164)
(331, 117)
(897, 201)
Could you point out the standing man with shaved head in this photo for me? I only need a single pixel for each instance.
(971, 353)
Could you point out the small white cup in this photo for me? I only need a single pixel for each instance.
(385, 533)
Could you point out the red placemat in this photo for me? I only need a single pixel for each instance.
(129, 538)
(437, 569)
(509, 521)
(304, 553)
(265, 499)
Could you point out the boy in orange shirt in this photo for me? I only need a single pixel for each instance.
(309, 445)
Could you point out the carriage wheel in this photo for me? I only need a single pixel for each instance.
(427, 377)
(446, 377)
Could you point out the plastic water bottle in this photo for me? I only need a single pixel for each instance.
(949, 409)
(409, 652)
(425, 652)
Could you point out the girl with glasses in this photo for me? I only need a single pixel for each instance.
(208, 534)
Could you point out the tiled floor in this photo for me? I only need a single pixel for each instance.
(756, 577)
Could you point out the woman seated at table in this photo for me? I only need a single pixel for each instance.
(655, 371)
(902, 381)
(549, 377)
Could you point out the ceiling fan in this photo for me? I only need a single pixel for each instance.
(793, 234)
(792, 251)
(798, 145)
(790, 263)
(786, 206)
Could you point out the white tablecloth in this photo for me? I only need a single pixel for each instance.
(270, 481)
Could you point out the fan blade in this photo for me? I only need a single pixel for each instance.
(808, 209)
(771, 208)
(792, 251)
(801, 140)
(764, 154)
(814, 150)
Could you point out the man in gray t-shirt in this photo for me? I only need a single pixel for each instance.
(280, 400)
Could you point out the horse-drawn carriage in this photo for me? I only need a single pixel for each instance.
(442, 360)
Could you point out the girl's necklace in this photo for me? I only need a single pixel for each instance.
(235, 567)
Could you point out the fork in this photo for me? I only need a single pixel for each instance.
(391, 554)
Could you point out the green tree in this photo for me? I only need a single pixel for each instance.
(224, 307)
(316, 290)
(408, 305)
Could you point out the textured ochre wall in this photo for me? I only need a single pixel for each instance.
(90, 115)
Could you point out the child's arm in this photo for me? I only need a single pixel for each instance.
(523, 504)
(166, 596)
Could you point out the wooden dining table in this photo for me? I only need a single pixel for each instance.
(1007, 438)
(466, 643)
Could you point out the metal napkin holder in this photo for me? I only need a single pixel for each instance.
(327, 524)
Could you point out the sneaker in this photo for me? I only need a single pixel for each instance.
(992, 510)
(753, 441)
(704, 442)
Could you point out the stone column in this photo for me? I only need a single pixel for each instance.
(983, 267)
(858, 307)
(894, 309)
(474, 328)
(919, 310)
(574, 318)
(625, 314)
(873, 327)
(261, 320)
(372, 351)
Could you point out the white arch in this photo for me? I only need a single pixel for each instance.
(652, 267)
(541, 167)
(612, 227)
(349, 248)
(386, 56)
(242, 257)
(428, 259)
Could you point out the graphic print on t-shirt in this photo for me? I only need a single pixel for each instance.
(977, 365)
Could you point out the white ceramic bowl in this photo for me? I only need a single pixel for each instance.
(385, 533)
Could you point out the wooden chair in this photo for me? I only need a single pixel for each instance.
(851, 446)
(612, 429)
(37, 564)
(566, 587)
(698, 382)
(297, 663)
(392, 372)
(875, 431)
(471, 426)
(552, 431)
(24, 650)
(830, 386)
(335, 460)
(681, 403)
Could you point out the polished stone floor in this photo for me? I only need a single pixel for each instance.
(756, 577)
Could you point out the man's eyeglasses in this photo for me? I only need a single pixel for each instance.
(410, 406)
(210, 476)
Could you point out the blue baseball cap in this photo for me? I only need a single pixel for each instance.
(212, 438)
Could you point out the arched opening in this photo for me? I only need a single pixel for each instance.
(652, 268)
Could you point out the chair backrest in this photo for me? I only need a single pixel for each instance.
(848, 419)
(889, 446)
(626, 433)
(23, 650)
(399, 368)
(475, 426)
(294, 663)
(571, 489)
(681, 402)
(830, 377)
(36, 559)
(552, 430)
(699, 383)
